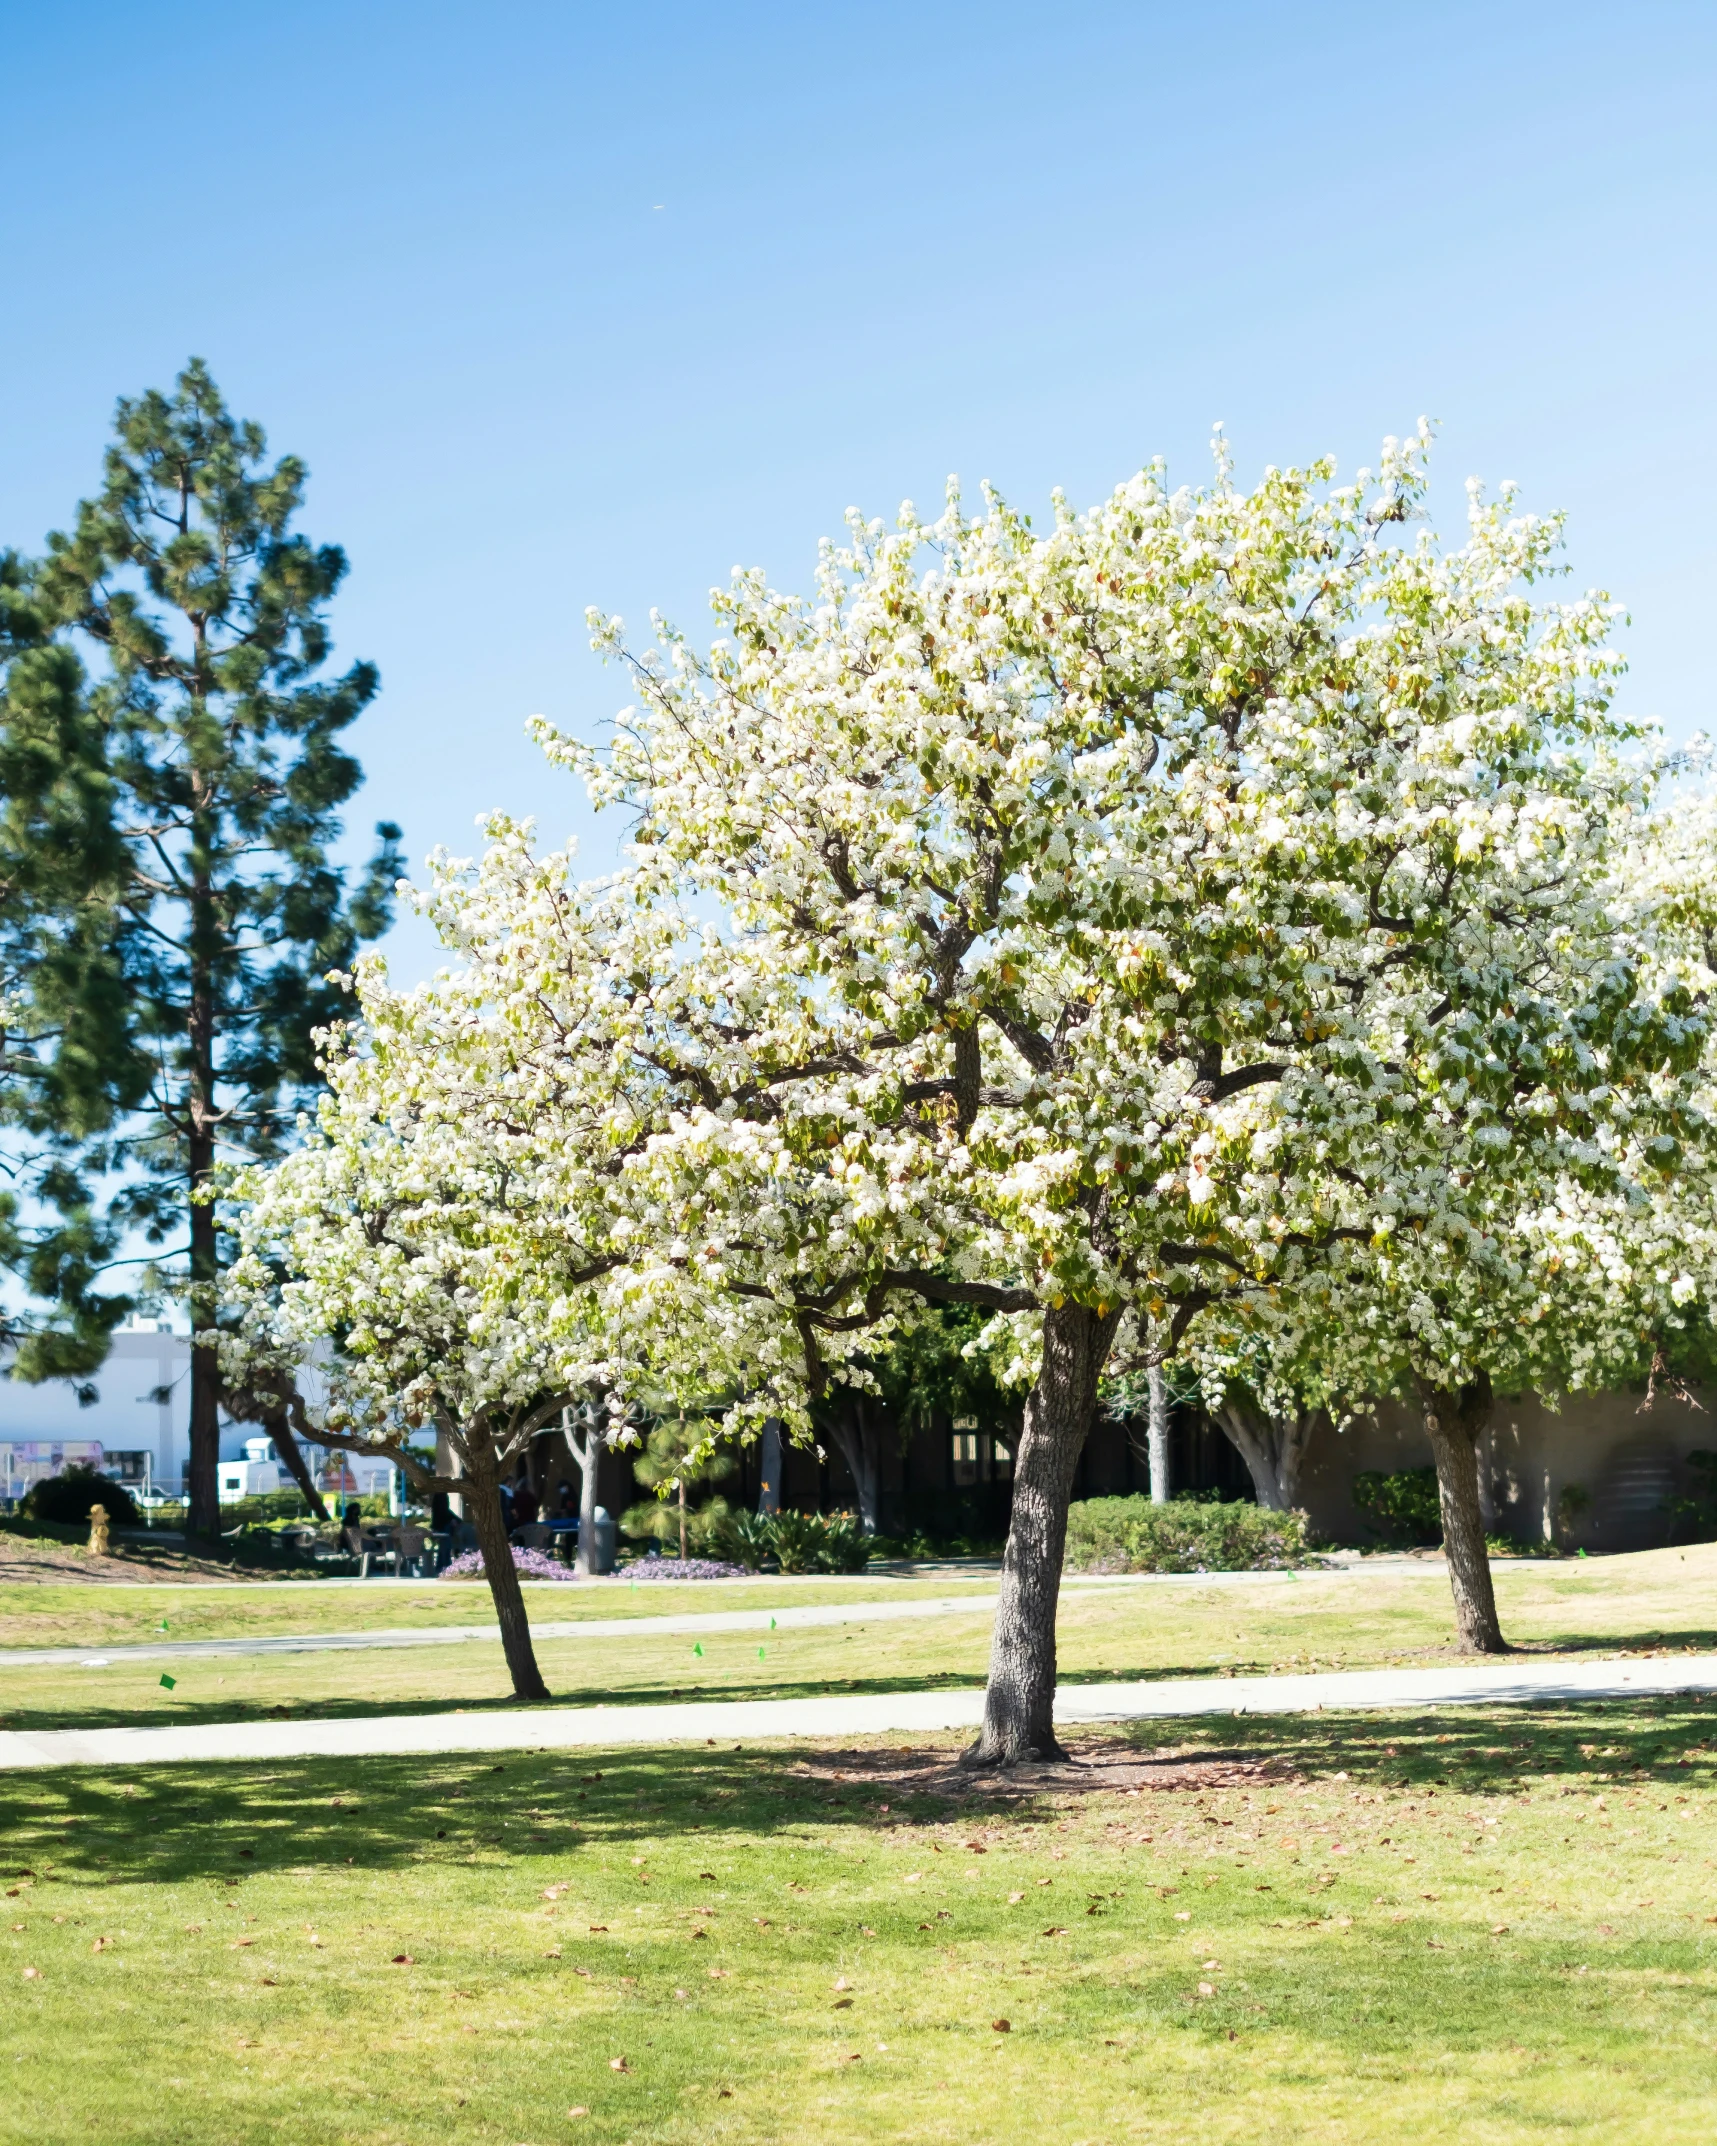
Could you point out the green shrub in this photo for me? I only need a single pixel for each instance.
(796, 1542)
(1403, 1507)
(1133, 1535)
(65, 1500)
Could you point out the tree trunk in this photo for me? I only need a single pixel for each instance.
(1157, 1434)
(769, 1457)
(483, 1505)
(586, 1453)
(1271, 1448)
(1454, 1423)
(1019, 1702)
(203, 1482)
(861, 1450)
(202, 1466)
(292, 1453)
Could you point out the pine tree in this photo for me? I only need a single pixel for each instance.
(65, 1068)
(221, 736)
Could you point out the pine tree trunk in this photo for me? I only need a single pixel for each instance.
(1157, 1432)
(483, 1505)
(203, 1463)
(205, 1441)
(1019, 1703)
(1453, 1424)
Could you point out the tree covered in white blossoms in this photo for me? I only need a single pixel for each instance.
(1201, 908)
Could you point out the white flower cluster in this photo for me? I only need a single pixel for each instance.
(1227, 910)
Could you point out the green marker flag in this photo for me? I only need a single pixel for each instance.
(167, 1683)
(772, 1624)
(760, 1654)
(697, 1646)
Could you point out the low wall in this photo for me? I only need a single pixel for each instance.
(1629, 1460)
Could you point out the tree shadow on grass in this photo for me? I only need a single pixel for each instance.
(226, 1824)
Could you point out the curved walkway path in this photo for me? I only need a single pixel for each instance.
(788, 1617)
(1508, 1682)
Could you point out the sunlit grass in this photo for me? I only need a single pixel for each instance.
(1377, 1926)
(1660, 1599)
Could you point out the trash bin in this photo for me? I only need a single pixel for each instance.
(607, 1541)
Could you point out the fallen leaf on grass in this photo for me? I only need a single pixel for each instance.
(618, 2064)
(913, 1876)
(599, 1929)
(578, 2109)
(1183, 1914)
(708, 1874)
(841, 1983)
(1055, 1930)
(842, 2004)
(1014, 1899)
(553, 1953)
(553, 1892)
(1207, 1989)
(32, 1974)
(238, 1944)
(1499, 1929)
(1001, 2026)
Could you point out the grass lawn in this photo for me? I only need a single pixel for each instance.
(1665, 1598)
(1499, 1926)
(105, 1616)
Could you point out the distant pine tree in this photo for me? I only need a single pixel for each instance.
(219, 734)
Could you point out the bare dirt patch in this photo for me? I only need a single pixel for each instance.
(1100, 1766)
(41, 1561)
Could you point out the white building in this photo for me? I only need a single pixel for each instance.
(135, 1427)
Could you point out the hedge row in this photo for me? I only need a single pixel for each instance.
(1133, 1535)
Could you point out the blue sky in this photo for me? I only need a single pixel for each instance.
(569, 305)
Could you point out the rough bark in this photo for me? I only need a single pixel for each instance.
(1454, 1423)
(202, 1465)
(292, 1453)
(483, 1507)
(861, 1449)
(1272, 1448)
(1019, 1701)
(1157, 1434)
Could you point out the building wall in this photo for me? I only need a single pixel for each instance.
(142, 1404)
(1630, 1461)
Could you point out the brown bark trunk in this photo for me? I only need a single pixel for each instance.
(203, 1485)
(292, 1453)
(1454, 1423)
(483, 1507)
(1019, 1702)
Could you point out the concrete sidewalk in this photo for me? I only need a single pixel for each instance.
(1507, 1682)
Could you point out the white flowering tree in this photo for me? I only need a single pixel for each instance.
(1077, 892)
(1109, 925)
(382, 1292)
(1537, 1195)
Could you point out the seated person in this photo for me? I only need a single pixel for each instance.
(524, 1503)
